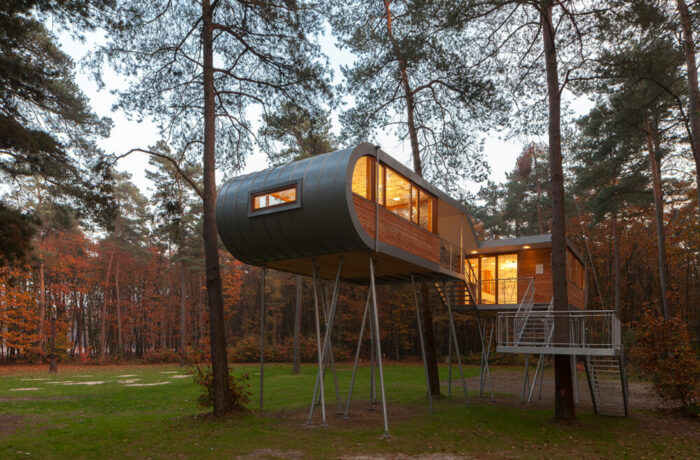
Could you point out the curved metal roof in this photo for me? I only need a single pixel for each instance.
(322, 222)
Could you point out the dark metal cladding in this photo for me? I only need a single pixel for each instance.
(322, 222)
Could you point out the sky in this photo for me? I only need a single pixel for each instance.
(127, 134)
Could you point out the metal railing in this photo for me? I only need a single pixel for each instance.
(451, 256)
(590, 332)
(502, 290)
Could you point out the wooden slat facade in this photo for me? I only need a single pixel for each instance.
(397, 231)
(527, 262)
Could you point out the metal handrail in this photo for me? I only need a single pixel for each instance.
(599, 329)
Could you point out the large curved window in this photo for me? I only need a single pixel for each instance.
(393, 191)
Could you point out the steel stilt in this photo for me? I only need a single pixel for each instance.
(378, 345)
(538, 372)
(357, 358)
(320, 353)
(419, 326)
(449, 367)
(329, 351)
(262, 334)
(539, 394)
(526, 379)
(372, 377)
(326, 342)
(456, 347)
(485, 354)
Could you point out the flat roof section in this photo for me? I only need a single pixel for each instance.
(520, 243)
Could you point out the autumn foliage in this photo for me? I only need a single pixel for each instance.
(665, 353)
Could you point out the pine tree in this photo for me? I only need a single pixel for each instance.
(203, 63)
(47, 129)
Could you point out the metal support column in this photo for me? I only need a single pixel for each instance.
(539, 369)
(456, 346)
(357, 357)
(378, 344)
(329, 352)
(262, 333)
(419, 326)
(372, 366)
(526, 379)
(449, 367)
(485, 353)
(323, 352)
(320, 353)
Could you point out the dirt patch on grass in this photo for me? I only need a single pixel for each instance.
(405, 457)
(506, 381)
(11, 423)
(35, 398)
(272, 453)
(360, 416)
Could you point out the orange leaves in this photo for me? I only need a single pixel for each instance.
(18, 312)
(665, 353)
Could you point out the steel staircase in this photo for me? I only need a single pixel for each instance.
(458, 294)
(607, 381)
(537, 326)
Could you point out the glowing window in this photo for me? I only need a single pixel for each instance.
(507, 278)
(398, 194)
(425, 206)
(488, 280)
(381, 184)
(361, 175)
(287, 195)
(414, 204)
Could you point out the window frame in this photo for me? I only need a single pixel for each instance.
(296, 204)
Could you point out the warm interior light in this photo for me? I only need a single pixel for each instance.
(526, 247)
(474, 252)
(396, 198)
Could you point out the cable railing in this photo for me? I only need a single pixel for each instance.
(589, 332)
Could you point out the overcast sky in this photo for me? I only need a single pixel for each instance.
(127, 134)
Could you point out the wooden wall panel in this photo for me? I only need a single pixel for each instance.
(526, 268)
(366, 212)
(575, 295)
(543, 283)
(396, 231)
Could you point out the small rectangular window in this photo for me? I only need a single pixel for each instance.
(285, 196)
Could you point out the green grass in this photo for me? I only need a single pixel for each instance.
(111, 420)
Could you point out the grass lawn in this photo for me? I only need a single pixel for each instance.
(104, 417)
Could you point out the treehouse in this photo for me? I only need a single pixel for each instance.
(358, 215)
(360, 201)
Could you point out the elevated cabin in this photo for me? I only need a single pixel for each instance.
(361, 201)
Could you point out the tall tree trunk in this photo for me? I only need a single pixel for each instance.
(540, 220)
(564, 408)
(616, 263)
(431, 348)
(219, 361)
(42, 306)
(53, 367)
(183, 327)
(296, 366)
(120, 339)
(103, 313)
(693, 92)
(651, 132)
